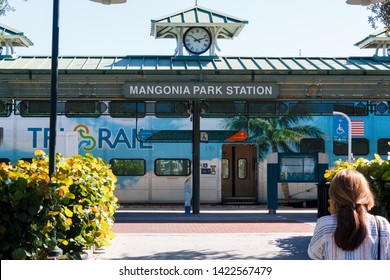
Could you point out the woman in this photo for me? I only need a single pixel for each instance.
(350, 232)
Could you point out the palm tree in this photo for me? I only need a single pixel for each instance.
(275, 134)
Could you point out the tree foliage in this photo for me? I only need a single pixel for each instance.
(380, 14)
(278, 134)
(6, 7)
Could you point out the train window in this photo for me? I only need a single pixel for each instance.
(83, 108)
(172, 109)
(5, 109)
(1, 136)
(128, 167)
(225, 168)
(312, 145)
(310, 108)
(5, 160)
(242, 168)
(223, 109)
(360, 146)
(34, 108)
(258, 109)
(172, 167)
(27, 159)
(383, 146)
(126, 109)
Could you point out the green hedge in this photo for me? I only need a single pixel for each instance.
(73, 210)
(377, 172)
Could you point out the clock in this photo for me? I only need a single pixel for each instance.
(197, 40)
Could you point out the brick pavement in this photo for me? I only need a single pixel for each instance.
(212, 235)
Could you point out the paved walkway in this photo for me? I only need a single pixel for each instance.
(215, 234)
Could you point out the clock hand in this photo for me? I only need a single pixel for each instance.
(196, 39)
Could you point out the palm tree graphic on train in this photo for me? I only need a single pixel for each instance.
(276, 134)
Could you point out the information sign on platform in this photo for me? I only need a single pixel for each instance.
(340, 129)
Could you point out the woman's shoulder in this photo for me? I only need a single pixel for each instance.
(327, 220)
(383, 221)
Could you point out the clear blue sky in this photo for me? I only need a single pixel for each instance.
(326, 28)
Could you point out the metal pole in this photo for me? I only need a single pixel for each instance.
(349, 133)
(54, 87)
(196, 156)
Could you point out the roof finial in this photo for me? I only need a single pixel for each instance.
(196, 2)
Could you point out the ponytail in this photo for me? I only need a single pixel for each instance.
(351, 193)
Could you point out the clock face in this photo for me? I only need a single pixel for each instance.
(197, 40)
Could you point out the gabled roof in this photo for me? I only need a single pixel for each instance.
(13, 37)
(231, 26)
(375, 40)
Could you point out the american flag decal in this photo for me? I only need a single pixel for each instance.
(357, 128)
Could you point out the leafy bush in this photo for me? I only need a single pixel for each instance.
(74, 209)
(377, 172)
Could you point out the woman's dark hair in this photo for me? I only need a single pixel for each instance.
(352, 196)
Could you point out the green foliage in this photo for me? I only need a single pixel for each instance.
(377, 172)
(380, 12)
(279, 134)
(74, 209)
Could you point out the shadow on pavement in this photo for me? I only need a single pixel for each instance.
(292, 248)
(188, 255)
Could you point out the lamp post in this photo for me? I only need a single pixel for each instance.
(54, 79)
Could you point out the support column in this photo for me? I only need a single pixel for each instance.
(196, 156)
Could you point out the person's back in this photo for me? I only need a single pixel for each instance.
(323, 246)
(350, 233)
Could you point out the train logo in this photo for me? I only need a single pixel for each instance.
(88, 143)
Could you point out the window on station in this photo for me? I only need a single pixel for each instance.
(172, 109)
(84, 108)
(242, 168)
(126, 109)
(383, 146)
(312, 145)
(360, 147)
(34, 108)
(172, 167)
(225, 168)
(5, 108)
(128, 167)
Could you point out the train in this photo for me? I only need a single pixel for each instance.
(152, 155)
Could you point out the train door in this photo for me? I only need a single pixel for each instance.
(239, 171)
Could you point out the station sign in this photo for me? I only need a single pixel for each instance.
(172, 90)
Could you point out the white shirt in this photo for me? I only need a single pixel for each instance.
(323, 247)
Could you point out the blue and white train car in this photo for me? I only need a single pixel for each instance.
(152, 157)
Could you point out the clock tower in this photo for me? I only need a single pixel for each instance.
(197, 30)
